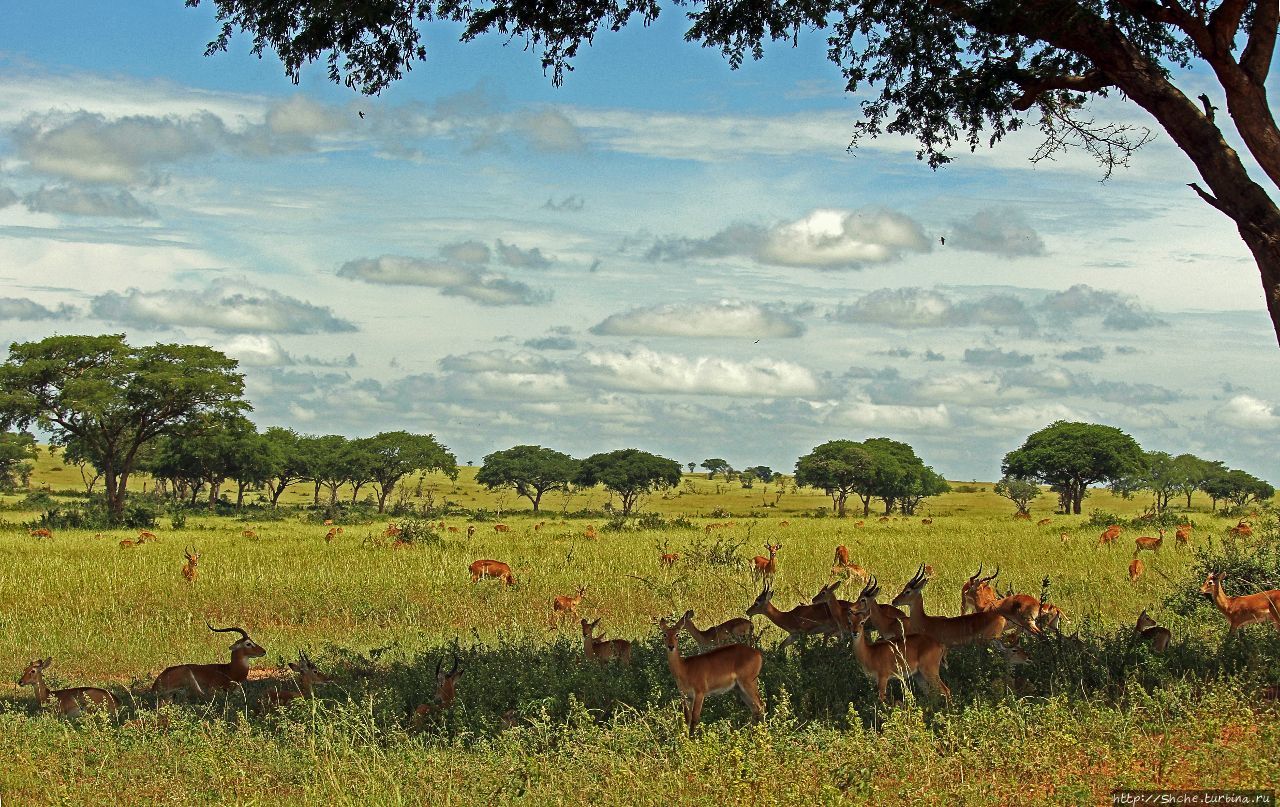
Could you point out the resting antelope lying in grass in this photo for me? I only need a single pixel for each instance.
(1154, 635)
(734, 631)
(278, 695)
(205, 679)
(603, 650)
(70, 702)
(732, 667)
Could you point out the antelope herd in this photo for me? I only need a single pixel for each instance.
(911, 643)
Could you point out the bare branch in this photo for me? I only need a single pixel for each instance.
(1034, 86)
(1111, 144)
(1208, 197)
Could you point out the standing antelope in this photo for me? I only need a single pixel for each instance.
(1243, 610)
(1109, 535)
(563, 605)
(491, 568)
(208, 678)
(764, 568)
(734, 631)
(1242, 530)
(668, 559)
(71, 701)
(501, 528)
(446, 693)
(189, 568)
(1183, 534)
(308, 676)
(1155, 635)
(888, 621)
(603, 650)
(1136, 568)
(731, 667)
(1149, 543)
(803, 620)
(917, 653)
(842, 556)
(471, 530)
(983, 625)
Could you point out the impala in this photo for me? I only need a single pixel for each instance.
(727, 668)
(1154, 635)
(563, 605)
(977, 594)
(446, 693)
(764, 568)
(1136, 568)
(668, 559)
(842, 556)
(1044, 522)
(983, 625)
(889, 622)
(603, 650)
(481, 569)
(803, 620)
(1109, 535)
(1183, 534)
(1149, 543)
(208, 678)
(281, 693)
(71, 701)
(915, 654)
(926, 521)
(735, 631)
(189, 568)
(501, 528)
(1243, 610)
(1242, 530)
(43, 532)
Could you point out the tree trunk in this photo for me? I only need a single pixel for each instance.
(315, 501)
(536, 499)
(214, 486)
(239, 495)
(276, 492)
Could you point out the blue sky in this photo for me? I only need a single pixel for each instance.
(663, 253)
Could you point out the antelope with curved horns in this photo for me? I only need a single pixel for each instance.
(917, 653)
(977, 594)
(70, 701)
(1243, 610)
(803, 620)
(189, 568)
(732, 667)
(734, 631)
(446, 692)
(208, 678)
(282, 693)
(603, 650)
(983, 625)
(889, 622)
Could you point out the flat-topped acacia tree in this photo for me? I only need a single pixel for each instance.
(112, 399)
(946, 72)
(630, 473)
(530, 470)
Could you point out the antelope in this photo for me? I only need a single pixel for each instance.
(859, 523)
(1154, 635)
(189, 568)
(1242, 530)
(454, 529)
(603, 650)
(392, 531)
(282, 693)
(1136, 568)
(1022, 515)
(1109, 535)
(976, 594)
(734, 631)
(842, 556)
(590, 532)
(71, 701)
(668, 559)
(1044, 522)
(841, 611)
(918, 653)
(966, 628)
(491, 568)
(784, 523)
(471, 530)
(802, 620)
(926, 521)
(249, 534)
(564, 604)
(884, 519)
(764, 568)
(1243, 610)
(328, 522)
(715, 672)
(501, 528)
(1064, 537)
(203, 678)
(446, 693)
(1050, 616)
(41, 533)
(150, 536)
(1183, 534)
(1149, 543)
(888, 621)
(330, 535)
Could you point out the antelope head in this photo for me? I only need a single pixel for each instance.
(250, 648)
(33, 671)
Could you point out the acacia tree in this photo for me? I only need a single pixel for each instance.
(112, 399)
(17, 451)
(628, 472)
(391, 456)
(1019, 491)
(1073, 456)
(717, 465)
(946, 72)
(1192, 472)
(839, 468)
(289, 464)
(530, 470)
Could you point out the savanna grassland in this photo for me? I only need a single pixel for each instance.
(535, 723)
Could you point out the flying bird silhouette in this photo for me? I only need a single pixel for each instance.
(360, 112)
(942, 240)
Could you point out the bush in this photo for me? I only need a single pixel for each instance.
(722, 552)
(1102, 519)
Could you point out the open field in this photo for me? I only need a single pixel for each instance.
(1076, 721)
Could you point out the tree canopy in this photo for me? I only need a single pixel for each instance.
(530, 470)
(1018, 491)
(1072, 456)
(628, 472)
(948, 73)
(388, 457)
(112, 399)
(17, 450)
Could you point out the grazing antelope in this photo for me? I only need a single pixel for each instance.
(1136, 568)
(926, 521)
(454, 529)
(208, 678)
(284, 692)
(41, 533)
(491, 568)
(732, 667)
(1149, 543)
(501, 528)
(446, 693)
(563, 605)
(1044, 522)
(842, 556)
(1243, 610)
(734, 631)
(471, 530)
(889, 622)
(859, 523)
(1242, 530)
(129, 543)
(917, 653)
(763, 568)
(249, 534)
(1154, 635)
(1022, 515)
(189, 568)
(784, 523)
(668, 559)
(330, 535)
(603, 650)
(1019, 610)
(1109, 535)
(71, 701)
(803, 620)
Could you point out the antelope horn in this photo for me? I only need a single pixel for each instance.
(240, 631)
(974, 577)
(438, 665)
(455, 665)
(993, 576)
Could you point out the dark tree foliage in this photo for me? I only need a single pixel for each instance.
(948, 73)
(17, 451)
(1072, 456)
(628, 472)
(388, 457)
(839, 468)
(530, 470)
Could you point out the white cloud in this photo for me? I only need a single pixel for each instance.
(20, 308)
(644, 370)
(1024, 417)
(1005, 232)
(453, 279)
(862, 412)
(256, 350)
(78, 201)
(256, 311)
(1247, 412)
(727, 318)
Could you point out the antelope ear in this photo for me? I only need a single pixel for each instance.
(46, 662)
(295, 667)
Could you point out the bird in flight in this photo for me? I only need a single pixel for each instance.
(360, 112)
(942, 239)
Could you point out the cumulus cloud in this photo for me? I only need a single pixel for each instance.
(551, 343)
(512, 255)
(865, 414)
(647, 371)
(1117, 312)
(7, 197)
(995, 357)
(466, 252)
(259, 311)
(550, 130)
(20, 308)
(79, 201)
(496, 361)
(452, 279)
(1248, 412)
(726, 318)
(1005, 232)
(924, 308)
(823, 239)
(257, 350)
